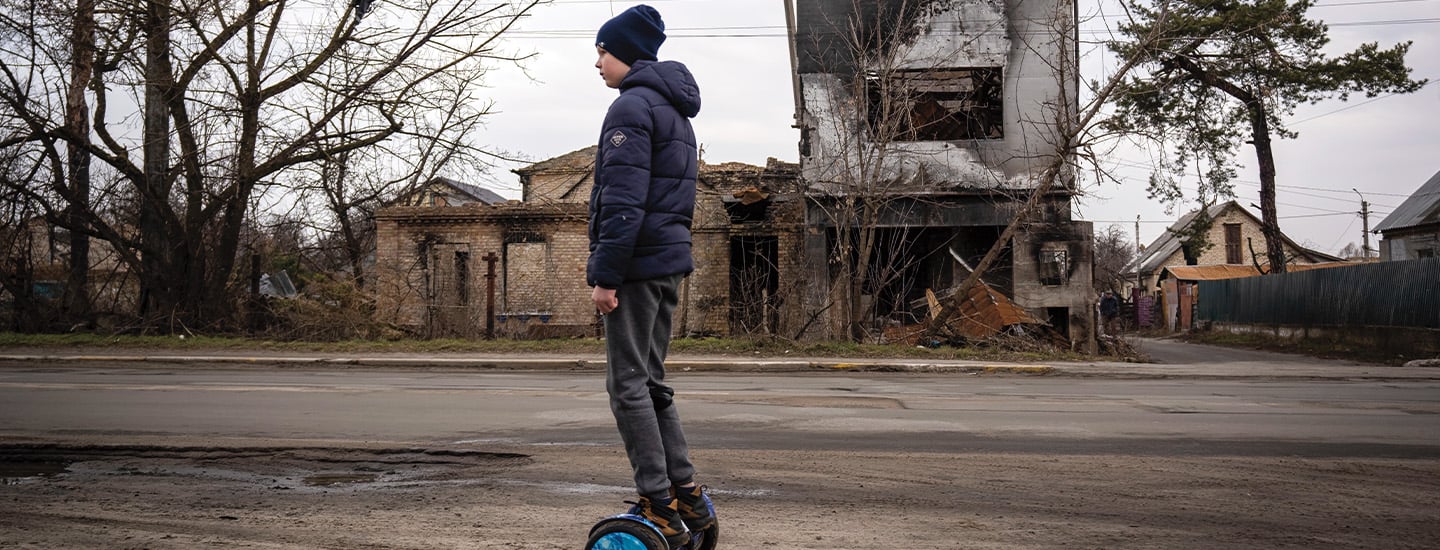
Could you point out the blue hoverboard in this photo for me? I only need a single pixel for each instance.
(631, 531)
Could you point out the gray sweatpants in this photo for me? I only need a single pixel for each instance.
(637, 337)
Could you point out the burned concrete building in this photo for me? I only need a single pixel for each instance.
(925, 127)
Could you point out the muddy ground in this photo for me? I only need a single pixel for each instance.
(170, 494)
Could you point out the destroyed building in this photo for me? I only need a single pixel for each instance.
(933, 122)
(920, 143)
(438, 263)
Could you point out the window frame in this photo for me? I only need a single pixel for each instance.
(1233, 252)
(963, 103)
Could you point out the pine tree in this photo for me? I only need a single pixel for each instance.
(1226, 74)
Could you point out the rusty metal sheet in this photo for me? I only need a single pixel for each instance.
(985, 312)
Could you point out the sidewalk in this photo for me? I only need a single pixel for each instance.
(1293, 367)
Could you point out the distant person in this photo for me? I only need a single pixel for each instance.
(641, 208)
(1110, 312)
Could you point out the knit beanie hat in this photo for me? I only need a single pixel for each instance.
(633, 35)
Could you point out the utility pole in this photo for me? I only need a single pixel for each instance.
(1138, 252)
(1365, 223)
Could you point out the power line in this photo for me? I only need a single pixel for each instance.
(1166, 222)
(1253, 183)
(1330, 210)
(1386, 23)
(1364, 3)
(1428, 82)
(1342, 234)
(776, 31)
(1317, 215)
(1323, 211)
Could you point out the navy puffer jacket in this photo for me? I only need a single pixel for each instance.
(645, 172)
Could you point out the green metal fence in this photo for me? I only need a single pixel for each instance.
(1385, 294)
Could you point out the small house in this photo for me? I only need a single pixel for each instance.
(1412, 231)
(1225, 234)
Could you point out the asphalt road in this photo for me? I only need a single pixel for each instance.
(169, 455)
(1175, 352)
(911, 412)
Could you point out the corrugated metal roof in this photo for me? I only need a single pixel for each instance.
(480, 194)
(1217, 272)
(1421, 207)
(1210, 272)
(463, 192)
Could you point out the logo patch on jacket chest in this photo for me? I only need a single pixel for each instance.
(618, 138)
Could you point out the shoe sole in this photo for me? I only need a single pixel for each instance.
(697, 529)
(678, 540)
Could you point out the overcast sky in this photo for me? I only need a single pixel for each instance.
(1385, 148)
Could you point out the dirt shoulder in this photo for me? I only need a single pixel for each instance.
(254, 494)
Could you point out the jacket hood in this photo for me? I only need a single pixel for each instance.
(671, 79)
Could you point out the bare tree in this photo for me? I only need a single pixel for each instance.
(17, 248)
(1352, 250)
(234, 99)
(77, 123)
(341, 192)
(1114, 254)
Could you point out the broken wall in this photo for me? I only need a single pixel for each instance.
(1053, 275)
(747, 235)
(567, 178)
(431, 269)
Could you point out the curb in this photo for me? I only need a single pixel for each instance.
(718, 365)
(682, 365)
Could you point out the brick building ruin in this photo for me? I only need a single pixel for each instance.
(433, 263)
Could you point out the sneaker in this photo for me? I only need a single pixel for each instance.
(666, 516)
(691, 505)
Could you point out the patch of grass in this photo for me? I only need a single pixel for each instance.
(1312, 347)
(592, 346)
(84, 340)
(439, 345)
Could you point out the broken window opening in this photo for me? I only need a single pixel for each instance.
(1059, 319)
(1192, 257)
(446, 271)
(754, 282)
(1054, 266)
(904, 262)
(750, 205)
(462, 277)
(936, 104)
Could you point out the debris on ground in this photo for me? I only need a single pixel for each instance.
(983, 316)
(1118, 347)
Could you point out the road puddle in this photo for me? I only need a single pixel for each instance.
(13, 473)
(326, 480)
(302, 468)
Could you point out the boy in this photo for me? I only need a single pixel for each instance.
(640, 213)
